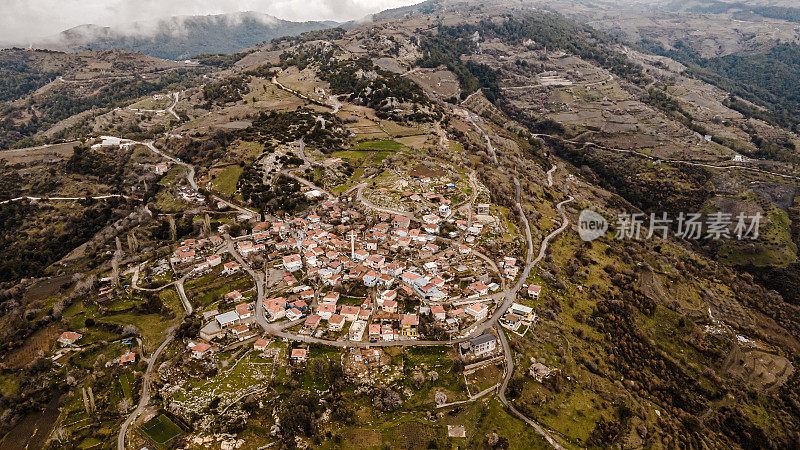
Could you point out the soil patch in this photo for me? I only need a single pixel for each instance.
(761, 370)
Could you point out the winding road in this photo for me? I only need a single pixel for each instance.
(506, 348)
(696, 163)
(69, 199)
(508, 295)
(306, 164)
(193, 184)
(550, 175)
(169, 109)
(471, 118)
(146, 381)
(502, 393)
(151, 363)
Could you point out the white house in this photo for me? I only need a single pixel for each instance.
(230, 268)
(478, 311)
(292, 263)
(326, 310)
(357, 330)
(524, 312)
(227, 319)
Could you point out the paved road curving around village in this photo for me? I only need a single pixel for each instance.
(508, 296)
(146, 381)
(506, 349)
(369, 205)
(306, 164)
(502, 393)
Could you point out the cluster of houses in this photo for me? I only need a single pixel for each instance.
(372, 320)
(390, 258)
(518, 314)
(236, 323)
(406, 270)
(188, 194)
(197, 255)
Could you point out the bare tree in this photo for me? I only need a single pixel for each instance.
(124, 405)
(115, 270)
(206, 224)
(418, 379)
(133, 242)
(173, 232)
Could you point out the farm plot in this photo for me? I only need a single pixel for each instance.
(160, 430)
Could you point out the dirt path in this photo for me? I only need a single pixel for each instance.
(686, 162)
(550, 175)
(69, 199)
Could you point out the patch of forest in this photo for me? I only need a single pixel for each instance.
(320, 130)
(283, 195)
(63, 102)
(18, 78)
(32, 237)
(229, 90)
(367, 84)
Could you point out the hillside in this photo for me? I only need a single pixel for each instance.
(180, 38)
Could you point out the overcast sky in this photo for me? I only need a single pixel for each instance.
(22, 20)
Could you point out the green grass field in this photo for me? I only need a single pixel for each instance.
(204, 291)
(125, 381)
(160, 430)
(151, 326)
(351, 155)
(225, 181)
(381, 145)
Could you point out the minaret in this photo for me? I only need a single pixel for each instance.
(352, 246)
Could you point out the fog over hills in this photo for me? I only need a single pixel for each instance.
(181, 37)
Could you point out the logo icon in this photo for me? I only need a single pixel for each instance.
(591, 225)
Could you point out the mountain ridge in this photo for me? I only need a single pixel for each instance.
(180, 37)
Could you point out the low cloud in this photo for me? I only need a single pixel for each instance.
(23, 21)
